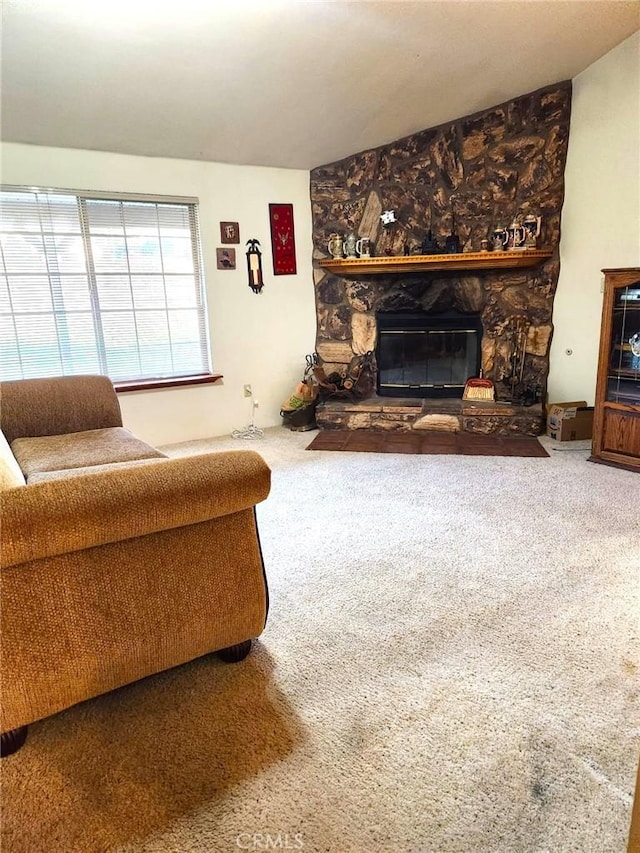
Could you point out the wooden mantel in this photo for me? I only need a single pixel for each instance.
(509, 259)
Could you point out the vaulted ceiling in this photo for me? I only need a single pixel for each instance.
(293, 84)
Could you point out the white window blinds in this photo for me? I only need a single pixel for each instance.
(100, 285)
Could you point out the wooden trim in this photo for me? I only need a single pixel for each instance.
(620, 407)
(603, 363)
(624, 273)
(603, 459)
(170, 382)
(433, 263)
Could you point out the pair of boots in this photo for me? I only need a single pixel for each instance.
(334, 383)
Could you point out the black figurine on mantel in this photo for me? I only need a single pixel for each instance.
(452, 243)
(430, 246)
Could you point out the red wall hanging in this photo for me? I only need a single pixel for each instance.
(283, 244)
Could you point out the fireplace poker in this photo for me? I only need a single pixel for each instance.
(524, 330)
(514, 359)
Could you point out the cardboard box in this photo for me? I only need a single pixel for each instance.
(569, 421)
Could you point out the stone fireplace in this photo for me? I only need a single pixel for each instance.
(480, 172)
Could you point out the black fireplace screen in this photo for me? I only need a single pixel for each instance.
(424, 355)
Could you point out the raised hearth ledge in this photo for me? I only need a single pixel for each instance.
(405, 414)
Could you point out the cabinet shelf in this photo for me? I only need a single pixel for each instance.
(516, 259)
(623, 373)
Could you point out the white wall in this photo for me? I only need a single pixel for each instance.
(257, 339)
(601, 213)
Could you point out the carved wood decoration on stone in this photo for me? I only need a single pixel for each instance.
(485, 169)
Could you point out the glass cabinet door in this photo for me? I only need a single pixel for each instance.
(623, 380)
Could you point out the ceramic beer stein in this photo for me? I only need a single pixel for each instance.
(499, 239)
(531, 225)
(515, 235)
(335, 246)
(350, 245)
(363, 247)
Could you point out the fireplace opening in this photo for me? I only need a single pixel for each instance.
(427, 355)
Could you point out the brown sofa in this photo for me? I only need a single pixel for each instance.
(117, 562)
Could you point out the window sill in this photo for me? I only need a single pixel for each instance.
(170, 382)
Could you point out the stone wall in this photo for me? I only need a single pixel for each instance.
(485, 169)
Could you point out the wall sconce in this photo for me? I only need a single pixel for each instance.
(254, 266)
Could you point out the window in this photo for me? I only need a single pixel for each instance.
(100, 284)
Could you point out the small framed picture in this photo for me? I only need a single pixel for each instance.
(226, 259)
(229, 232)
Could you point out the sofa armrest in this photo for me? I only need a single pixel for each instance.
(60, 516)
(56, 406)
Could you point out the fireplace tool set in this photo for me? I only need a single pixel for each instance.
(480, 388)
(518, 343)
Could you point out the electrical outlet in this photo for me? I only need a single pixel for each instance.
(247, 391)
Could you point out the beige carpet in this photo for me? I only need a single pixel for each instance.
(450, 664)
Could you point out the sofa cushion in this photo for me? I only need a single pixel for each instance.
(10, 473)
(80, 450)
(67, 473)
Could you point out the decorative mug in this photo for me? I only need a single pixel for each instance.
(350, 245)
(515, 235)
(363, 247)
(499, 238)
(335, 246)
(531, 225)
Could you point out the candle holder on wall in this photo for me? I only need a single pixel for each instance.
(254, 266)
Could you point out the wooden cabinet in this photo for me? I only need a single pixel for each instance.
(616, 423)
